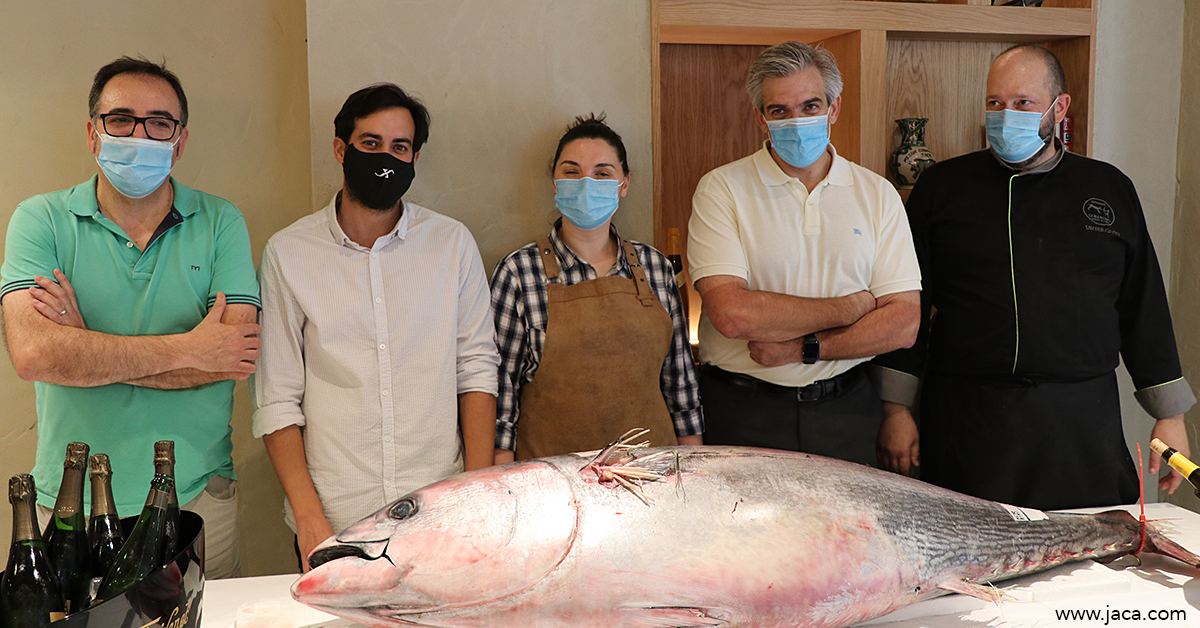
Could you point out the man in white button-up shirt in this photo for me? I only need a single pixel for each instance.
(806, 267)
(378, 369)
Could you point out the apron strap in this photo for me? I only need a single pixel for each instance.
(549, 261)
(644, 293)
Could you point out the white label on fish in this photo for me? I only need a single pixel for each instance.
(1024, 514)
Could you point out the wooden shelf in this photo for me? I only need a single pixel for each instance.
(699, 21)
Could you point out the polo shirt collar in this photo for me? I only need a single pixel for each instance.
(83, 202)
(340, 237)
(569, 260)
(772, 175)
(185, 201)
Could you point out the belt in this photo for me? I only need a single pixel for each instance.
(812, 392)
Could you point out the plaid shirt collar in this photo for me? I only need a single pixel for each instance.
(569, 262)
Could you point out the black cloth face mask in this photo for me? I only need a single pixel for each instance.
(377, 180)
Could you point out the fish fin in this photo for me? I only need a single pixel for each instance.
(1156, 541)
(621, 447)
(616, 465)
(673, 617)
(985, 592)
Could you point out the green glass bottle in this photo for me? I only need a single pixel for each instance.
(30, 595)
(164, 464)
(66, 532)
(104, 528)
(142, 552)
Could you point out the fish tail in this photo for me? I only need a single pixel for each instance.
(1153, 541)
(1158, 543)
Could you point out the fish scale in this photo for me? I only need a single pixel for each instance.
(688, 537)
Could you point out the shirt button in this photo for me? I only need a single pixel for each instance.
(382, 347)
(378, 300)
(385, 393)
(129, 244)
(374, 255)
(387, 439)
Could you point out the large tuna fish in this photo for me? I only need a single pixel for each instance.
(689, 537)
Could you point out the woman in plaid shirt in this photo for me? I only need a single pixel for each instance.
(591, 333)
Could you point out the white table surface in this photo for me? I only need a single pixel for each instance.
(1160, 584)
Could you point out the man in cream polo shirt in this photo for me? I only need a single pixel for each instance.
(807, 269)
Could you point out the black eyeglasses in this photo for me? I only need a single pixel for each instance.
(123, 125)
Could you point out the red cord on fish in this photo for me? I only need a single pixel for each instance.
(1141, 500)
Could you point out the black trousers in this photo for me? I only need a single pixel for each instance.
(1045, 446)
(843, 424)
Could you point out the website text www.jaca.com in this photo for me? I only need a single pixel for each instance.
(1107, 615)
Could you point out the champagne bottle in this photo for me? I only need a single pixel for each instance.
(66, 533)
(675, 256)
(30, 595)
(142, 552)
(164, 464)
(1185, 467)
(104, 528)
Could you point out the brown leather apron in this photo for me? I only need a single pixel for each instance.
(606, 340)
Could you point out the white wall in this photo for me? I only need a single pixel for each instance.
(1139, 56)
(502, 79)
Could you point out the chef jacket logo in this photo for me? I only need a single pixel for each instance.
(1099, 212)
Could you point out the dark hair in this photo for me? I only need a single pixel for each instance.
(140, 65)
(1056, 78)
(378, 97)
(591, 127)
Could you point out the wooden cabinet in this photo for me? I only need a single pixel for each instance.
(898, 59)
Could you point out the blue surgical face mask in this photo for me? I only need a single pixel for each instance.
(1015, 136)
(135, 166)
(587, 202)
(800, 141)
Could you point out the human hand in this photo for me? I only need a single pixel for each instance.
(214, 346)
(898, 446)
(309, 534)
(1173, 432)
(777, 353)
(56, 301)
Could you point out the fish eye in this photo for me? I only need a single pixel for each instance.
(403, 509)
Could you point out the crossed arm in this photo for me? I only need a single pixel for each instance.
(853, 326)
(49, 342)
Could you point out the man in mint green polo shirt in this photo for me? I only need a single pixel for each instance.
(131, 300)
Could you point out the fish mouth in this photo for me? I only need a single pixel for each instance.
(322, 556)
(453, 553)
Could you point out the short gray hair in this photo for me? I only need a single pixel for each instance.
(788, 58)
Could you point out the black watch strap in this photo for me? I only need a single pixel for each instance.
(811, 351)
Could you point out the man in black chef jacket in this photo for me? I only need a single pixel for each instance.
(1039, 275)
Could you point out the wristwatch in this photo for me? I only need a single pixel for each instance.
(812, 349)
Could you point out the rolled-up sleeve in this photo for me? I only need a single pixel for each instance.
(277, 388)
(478, 363)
